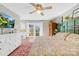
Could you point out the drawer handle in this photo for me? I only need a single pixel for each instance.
(0, 48)
(0, 42)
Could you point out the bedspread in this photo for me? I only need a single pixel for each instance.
(56, 45)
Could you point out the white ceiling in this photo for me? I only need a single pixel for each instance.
(23, 9)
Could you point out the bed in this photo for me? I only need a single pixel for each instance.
(61, 44)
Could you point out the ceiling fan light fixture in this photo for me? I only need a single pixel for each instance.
(39, 11)
(38, 8)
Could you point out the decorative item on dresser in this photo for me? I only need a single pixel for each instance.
(52, 28)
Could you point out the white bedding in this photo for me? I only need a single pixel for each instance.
(56, 45)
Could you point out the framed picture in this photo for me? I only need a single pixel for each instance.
(6, 21)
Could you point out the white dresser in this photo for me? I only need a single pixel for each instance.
(9, 42)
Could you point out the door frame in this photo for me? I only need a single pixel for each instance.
(35, 23)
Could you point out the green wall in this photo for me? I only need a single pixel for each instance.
(71, 25)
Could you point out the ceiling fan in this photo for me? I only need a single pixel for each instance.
(39, 8)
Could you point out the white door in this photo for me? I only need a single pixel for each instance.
(35, 29)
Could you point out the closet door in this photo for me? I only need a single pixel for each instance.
(31, 30)
(35, 29)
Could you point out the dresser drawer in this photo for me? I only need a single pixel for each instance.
(2, 42)
(8, 43)
(4, 51)
(2, 39)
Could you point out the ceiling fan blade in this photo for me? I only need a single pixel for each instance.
(32, 12)
(33, 4)
(50, 7)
